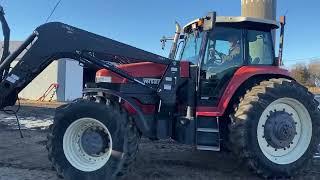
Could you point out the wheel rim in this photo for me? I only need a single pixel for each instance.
(278, 150)
(87, 144)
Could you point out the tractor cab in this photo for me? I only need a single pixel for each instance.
(219, 51)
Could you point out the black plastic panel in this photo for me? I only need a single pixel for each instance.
(207, 122)
(208, 139)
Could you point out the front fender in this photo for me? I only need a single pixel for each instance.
(141, 123)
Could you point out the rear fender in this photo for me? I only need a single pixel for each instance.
(239, 78)
(141, 123)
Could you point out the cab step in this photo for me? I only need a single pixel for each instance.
(208, 148)
(207, 133)
(209, 130)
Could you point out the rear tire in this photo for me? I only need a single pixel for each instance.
(275, 128)
(67, 146)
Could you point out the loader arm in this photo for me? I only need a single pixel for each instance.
(53, 41)
(6, 39)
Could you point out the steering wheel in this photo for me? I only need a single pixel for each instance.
(215, 57)
(218, 57)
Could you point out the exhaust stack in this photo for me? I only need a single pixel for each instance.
(176, 38)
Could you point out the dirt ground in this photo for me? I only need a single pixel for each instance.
(26, 159)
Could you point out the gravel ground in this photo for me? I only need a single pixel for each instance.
(24, 159)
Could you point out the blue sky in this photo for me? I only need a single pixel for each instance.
(142, 23)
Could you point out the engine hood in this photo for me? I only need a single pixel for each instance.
(147, 71)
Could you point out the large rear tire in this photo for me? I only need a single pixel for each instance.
(92, 140)
(275, 128)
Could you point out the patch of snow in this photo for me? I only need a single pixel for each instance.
(25, 122)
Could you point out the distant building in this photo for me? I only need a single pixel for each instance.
(65, 72)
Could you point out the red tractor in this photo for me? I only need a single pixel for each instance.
(226, 91)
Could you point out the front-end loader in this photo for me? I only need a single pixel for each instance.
(226, 91)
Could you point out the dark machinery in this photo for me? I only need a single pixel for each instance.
(226, 91)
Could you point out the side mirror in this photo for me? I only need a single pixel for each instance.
(163, 41)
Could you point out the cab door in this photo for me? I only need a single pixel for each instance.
(219, 63)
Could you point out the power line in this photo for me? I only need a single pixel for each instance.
(52, 11)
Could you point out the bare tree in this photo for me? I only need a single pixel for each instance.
(301, 73)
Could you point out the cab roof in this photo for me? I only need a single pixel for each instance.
(242, 21)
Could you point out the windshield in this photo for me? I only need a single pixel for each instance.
(223, 48)
(191, 49)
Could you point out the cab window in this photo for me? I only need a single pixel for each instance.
(191, 49)
(260, 45)
(223, 49)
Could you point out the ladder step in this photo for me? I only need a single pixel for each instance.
(208, 148)
(207, 133)
(207, 122)
(317, 155)
(209, 130)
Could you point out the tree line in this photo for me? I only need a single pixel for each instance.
(307, 75)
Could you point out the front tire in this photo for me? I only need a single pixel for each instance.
(275, 128)
(92, 140)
